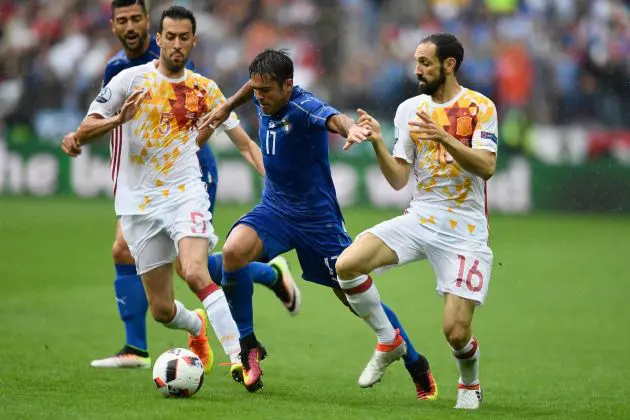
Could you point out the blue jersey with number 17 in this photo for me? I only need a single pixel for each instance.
(294, 143)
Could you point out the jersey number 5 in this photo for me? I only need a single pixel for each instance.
(164, 126)
(270, 138)
(195, 218)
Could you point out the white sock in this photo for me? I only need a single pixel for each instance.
(185, 319)
(223, 324)
(363, 296)
(468, 362)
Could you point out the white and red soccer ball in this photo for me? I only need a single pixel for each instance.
(178, 373)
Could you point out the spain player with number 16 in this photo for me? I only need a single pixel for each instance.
(448, 136)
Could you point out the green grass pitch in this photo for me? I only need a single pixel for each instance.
(553, 333)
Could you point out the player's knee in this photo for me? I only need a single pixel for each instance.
(234, 257)
(195, 274)
(121, 252)
(457, 334)
(348, 267)
(162, 311)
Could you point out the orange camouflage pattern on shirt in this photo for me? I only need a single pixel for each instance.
(438, 174)
(166, 122)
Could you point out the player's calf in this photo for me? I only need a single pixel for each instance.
(162, 311)
(457, 330)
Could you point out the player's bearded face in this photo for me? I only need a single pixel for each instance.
(131, 26)
(430, 86)
(429, 69)
(176, 42)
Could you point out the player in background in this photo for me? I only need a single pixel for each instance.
(130, 23)
(448, 135)
(160, 197)
(299, 208)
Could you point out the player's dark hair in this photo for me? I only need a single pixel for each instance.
(178, 13)
(275, 63)
(446, 46)
(124, 3)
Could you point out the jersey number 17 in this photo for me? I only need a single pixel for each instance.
(270, 142)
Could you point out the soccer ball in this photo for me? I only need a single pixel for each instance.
(178, 373)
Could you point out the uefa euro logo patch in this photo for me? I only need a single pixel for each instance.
(489, 136)
(104, 95)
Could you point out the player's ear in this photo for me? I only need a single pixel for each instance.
(288, 84)
(194, 41)
(158, 39)
(449, 65)
(111, 23)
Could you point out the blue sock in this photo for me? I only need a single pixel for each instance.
(239, 290)
(260, 273)
(263, 274)
(215, 267)
(132, 305)
(412, 355)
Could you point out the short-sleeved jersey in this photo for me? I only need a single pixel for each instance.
(294, 143)
(448, 198)
(157, 161)
(120, 62)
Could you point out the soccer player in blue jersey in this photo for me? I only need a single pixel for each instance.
(299, 208)
(130, 24)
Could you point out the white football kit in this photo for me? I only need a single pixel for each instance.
(446, 221)
(158, 189)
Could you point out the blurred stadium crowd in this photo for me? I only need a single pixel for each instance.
(544, 61)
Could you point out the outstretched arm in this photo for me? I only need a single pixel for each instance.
(221, 113)
(248, 148)
(348, 128)
(95, 125)
(240, 97)
(395, 169)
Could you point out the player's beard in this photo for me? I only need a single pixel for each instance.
(174, 66)
(139, 42)
(427, 88)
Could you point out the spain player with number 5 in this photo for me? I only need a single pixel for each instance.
(160, 196)
(448, 135)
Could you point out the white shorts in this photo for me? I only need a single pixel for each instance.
(461, 267)
(153, 238)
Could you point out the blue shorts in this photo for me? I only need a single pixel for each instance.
(317, 244)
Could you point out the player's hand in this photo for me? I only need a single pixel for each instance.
(70, 145)
(356, 134)
(426, 128)
(216, 117)
(131, 106)
(371, 123)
